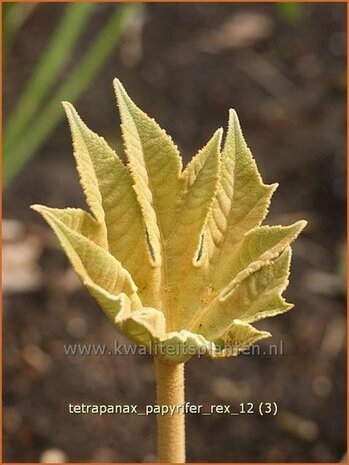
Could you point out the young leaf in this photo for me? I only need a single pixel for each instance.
(236, 337)
(91, 262)
(242, 198)
(175, 257)
(256, 296)
(79, 221)
(257, 247)
(110, 195)
(154, 160)
(185, 244)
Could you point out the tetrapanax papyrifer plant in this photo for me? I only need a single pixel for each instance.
(177, 258)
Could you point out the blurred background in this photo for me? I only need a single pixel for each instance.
(282, 67)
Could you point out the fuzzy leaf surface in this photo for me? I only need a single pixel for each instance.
(175, 258)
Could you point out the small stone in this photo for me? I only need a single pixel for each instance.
(53, 456)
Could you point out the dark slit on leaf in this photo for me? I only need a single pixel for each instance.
(150, 247)
(201, 248)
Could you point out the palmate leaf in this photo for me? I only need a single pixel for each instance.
(176, 258)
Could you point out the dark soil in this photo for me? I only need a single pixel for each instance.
(288, 86)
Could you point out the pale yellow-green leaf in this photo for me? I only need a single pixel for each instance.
(178, 260)
(91, 262)
(199, 184)
(242, 199)
(154, 161)
(257, 296)
(110, 304)
(238, 336)
(185, 245)
(258, 246)
(79, 221)
(142, 326)
(180, 346)
(111, 197)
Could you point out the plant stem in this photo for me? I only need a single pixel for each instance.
(171, 428)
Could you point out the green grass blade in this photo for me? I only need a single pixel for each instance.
(13, 17)
(51, 63)
(16, 156)
(7, 27)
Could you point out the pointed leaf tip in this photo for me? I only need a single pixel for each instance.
(117, 82)
(121, 93)
(35, 207)
(302, 224)
(218, 136)
(233, 116)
